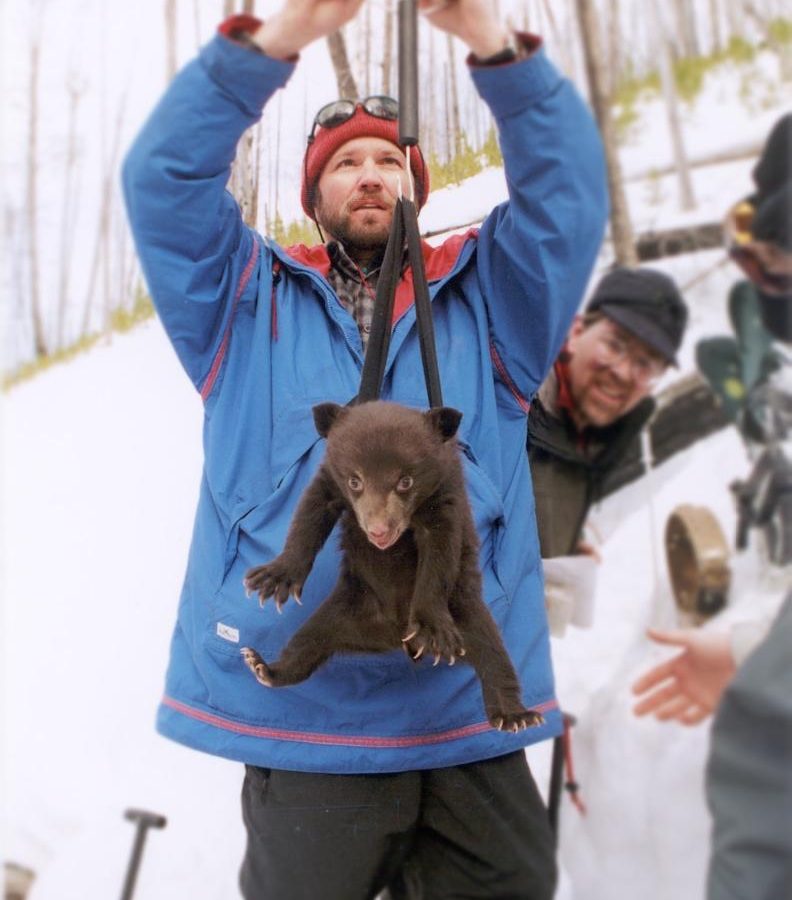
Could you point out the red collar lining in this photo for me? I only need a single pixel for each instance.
(438, 262)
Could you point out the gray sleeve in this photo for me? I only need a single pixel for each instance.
(749, 775)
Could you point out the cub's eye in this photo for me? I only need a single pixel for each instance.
(355, 484)
(405, 483)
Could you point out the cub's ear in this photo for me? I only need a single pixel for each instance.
(326, 415)
(444, 420)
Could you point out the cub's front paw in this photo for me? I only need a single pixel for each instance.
(439, 639)
(515, 720)
(277, 579)
(257, 666)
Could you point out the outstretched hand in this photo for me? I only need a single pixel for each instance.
(300, 22)
(473, 21)
(688, 687)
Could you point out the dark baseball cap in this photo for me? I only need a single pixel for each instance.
(645, 302)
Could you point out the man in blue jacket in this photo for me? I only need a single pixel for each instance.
(376, 771)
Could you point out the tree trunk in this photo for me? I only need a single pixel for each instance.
(367, 49)
(447, 109)
(170, 40)
(685, 28)
(621, 229)
(686, 197)
(566, 54)
(347, 87)
(67, 225)
(715, 27)
(101, 242)
(244, 181)
(387, 53)
(456, 127)
(197, 22)
(734, 18)
(675, 241)
(615, 54)
(429, 102)
(39, 338)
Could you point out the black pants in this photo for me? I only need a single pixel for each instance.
(473, 831)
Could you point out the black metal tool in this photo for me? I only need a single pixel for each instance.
(408, 73)
(143, 820)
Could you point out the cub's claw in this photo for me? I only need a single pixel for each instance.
(277, 579)
(257, 666)
(517, 721)
(440, 640)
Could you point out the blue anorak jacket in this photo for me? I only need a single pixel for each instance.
(263, 338)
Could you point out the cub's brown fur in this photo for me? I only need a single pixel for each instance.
(409, 573)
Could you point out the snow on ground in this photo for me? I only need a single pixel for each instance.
(100, 478)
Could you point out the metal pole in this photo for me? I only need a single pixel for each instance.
(408, 73)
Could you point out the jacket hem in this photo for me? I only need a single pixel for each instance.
(219, 735)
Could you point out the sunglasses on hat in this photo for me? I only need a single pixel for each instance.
(334, 114)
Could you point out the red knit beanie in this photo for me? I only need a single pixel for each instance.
(360, 124)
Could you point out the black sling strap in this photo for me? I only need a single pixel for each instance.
(403, 226)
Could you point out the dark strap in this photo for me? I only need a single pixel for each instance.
(382, 315)
(404, 224)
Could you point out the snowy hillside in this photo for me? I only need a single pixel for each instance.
(101, 465)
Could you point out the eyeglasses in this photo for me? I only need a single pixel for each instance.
(612, 350)
(334, 114)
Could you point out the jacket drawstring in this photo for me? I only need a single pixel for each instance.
(276, 277)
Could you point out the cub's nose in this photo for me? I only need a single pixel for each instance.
(378, 533)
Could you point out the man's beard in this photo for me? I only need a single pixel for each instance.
(357, 236)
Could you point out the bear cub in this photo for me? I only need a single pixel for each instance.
(409, 571)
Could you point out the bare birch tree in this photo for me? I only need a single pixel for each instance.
(367, 49)
(244, 180)
(566, 56)
(170, 39)
(621, 228)
(615, 51)
(686, 197)
(717, 42)
(100, 258)
(347, 86)
(685, 27)
(75, 88)
(455, 137)
(387, 51)
(39, 336)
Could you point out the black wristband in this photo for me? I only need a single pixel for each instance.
(507, 55)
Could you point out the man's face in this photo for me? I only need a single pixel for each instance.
(610, 371)
(357, 191)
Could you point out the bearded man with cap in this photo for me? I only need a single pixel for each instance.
(377, 770)
(591, 407)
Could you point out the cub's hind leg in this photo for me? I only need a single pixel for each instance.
(486, 652)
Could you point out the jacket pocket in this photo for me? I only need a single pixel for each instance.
(257, 535)
(488, 516)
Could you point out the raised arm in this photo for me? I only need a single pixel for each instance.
(188, 230)
(198, 258)
(536, 251)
